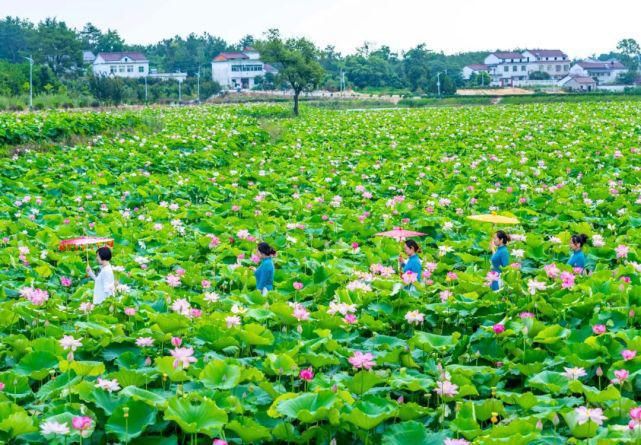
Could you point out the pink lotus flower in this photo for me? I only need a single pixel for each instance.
(456, 442)
(205, 284)
(585, 414)
(219, 442)
(65, 281)
(108, 385)
(622, 251)
(635, 414)
(568, 280)
(130, 311)
(598, 329)
(451, 276)
(195, 313)
(306, 374)
(350, 319)
(213, 241)
(621, 375)
(551, 270)
(144, 342)
(491, 277)
(415, 317)
(232, 321)
(300, 313)
(445, 388)
(355, 246)
(628, 354)
(362, 361)
(498, 328)
(173, 280)
(1, 386)
(180, 272)
(255, 259)
(409, 277)
(183, 357)
(445, 295)
(526, 315)
(81, 423)
(176, 341)
(298, 285)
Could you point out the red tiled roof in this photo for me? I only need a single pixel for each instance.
(609, 65)
(547, 52)
(117, 57)
(230, 56)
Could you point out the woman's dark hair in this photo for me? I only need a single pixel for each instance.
(266, 249)
(104, 253)
(413, 245)
(504, 237)
(580, 239)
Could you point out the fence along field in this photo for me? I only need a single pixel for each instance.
(188, 351)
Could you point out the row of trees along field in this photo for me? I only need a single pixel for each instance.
(57, 49)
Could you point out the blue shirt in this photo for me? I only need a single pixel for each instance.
(413, 264)
(500, 259)
(577, 259)
(265, 275)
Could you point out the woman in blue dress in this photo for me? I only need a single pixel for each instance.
(577, 260)
(265, 272)
(500, 256)
(413, 262)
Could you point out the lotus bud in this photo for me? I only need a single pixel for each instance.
(125, 412)
(539, 425)
(599, 372)
(400, 400)
(555, 419)
(334, 388)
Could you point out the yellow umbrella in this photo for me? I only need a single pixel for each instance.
(495, 219)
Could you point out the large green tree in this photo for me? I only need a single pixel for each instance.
(296, 60)
(57, 45)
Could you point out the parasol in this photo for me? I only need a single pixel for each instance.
(85, 241)
(400, 234)
(494, 219)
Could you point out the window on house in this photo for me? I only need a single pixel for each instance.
(112, 69)
(514, 68)
(558, 68)
(121, 68)
(141, 69)
(506, 68)
(130, 68)
(522, 67)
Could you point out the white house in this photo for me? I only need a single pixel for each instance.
(510, 68)
(578, 83)
(505, 67)
(234, 70)
(475, 68)
(604, 72)
(121, 64)
(551, 61)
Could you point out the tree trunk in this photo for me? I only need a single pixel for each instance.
(296, 94)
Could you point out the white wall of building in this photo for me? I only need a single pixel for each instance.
(234, 73)
(603, 77)
(123, 68)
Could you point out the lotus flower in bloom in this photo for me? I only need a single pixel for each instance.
(219, 442)
(551, 270)
(585, 414)
(455, 442)
(69, 343)
(173, 280)
(108, 385)
(415, 317)
(298, 285)
(362, 361)
(574, 373)
(232, 321)
(622, 251)
(621, 375)
(568, 280)
(81, 423)
(65, 281)
(409, 277)
(144, 342)
(534, 286)
(445, 388)
(183, 357)
(628, 354)
(306, 374)
(598, 329)
(54, 428)
(498, 328)
(300, 313)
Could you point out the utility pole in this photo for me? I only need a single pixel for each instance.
(198, 85)
(30, 59)
(146, 91)
(438, 83)
(180, 83)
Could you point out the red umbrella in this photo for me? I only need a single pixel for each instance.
(83, 241)
(400, 234)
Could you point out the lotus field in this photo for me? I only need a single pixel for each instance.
(342, 351)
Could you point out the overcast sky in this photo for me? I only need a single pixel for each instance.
(581, 28)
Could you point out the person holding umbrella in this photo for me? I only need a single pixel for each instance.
(104, 285)
(500, 256)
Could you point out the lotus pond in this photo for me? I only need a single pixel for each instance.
(188, 351)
